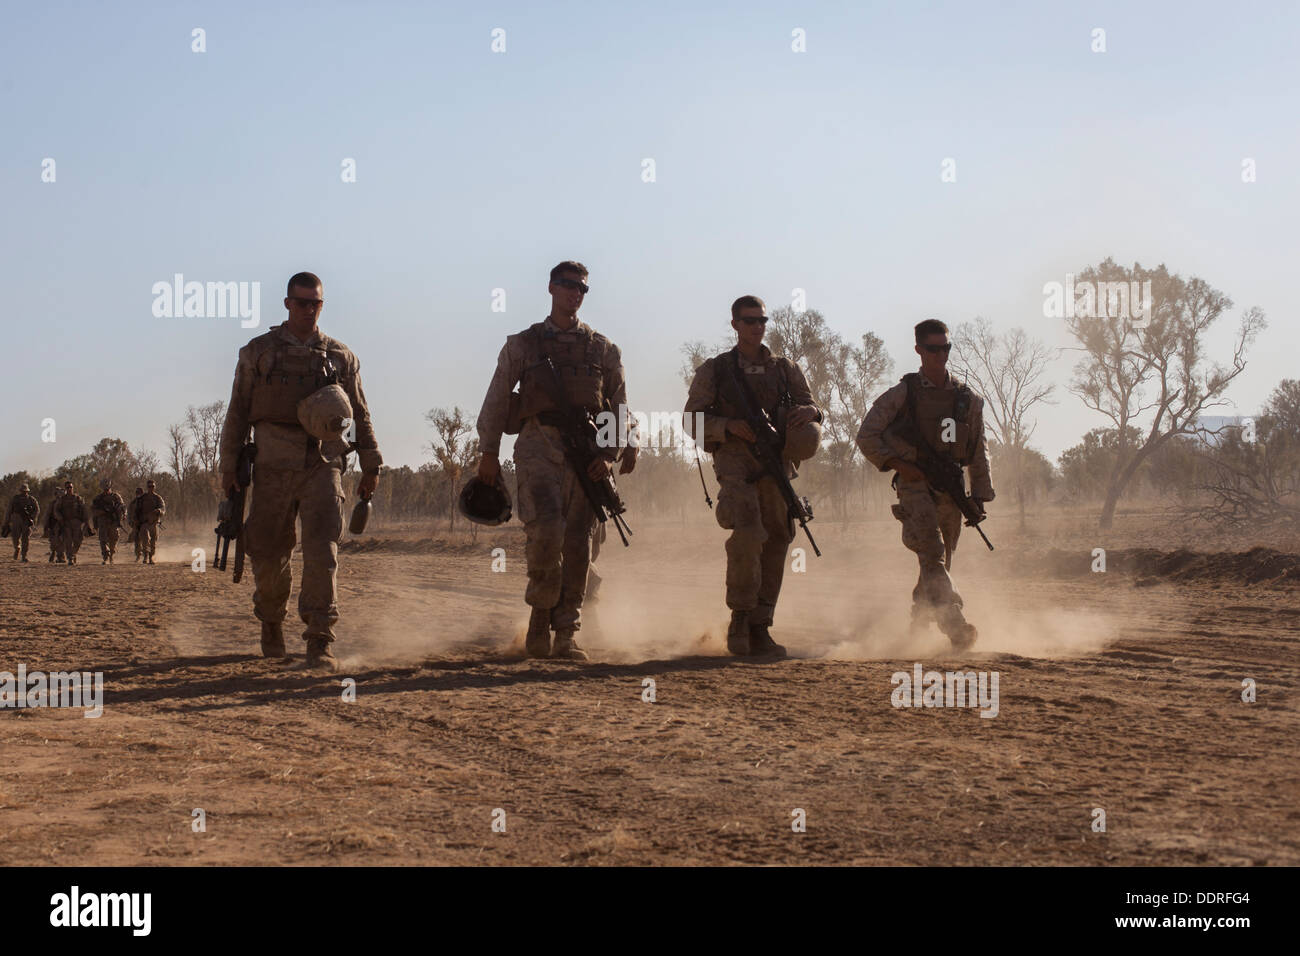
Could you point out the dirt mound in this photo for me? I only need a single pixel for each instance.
(1261, 566)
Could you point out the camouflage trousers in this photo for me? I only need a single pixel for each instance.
(931, 527)
(22, 534)
(70, 536)
(146, 537)
(761, 532)
(280, 498)
(55, 535)
(107, 539)
(557, 526)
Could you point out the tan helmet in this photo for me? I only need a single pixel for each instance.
(326, 413)
(801, 443)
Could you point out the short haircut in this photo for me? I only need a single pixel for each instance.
(306, 280)
(745, 302)
(568, 265)
(929, 327)
(150, 482)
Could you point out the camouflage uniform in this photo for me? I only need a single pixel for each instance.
(752, 510)
(21, 518)
(295, 476)
(931, 520)
(133, 520)
(150, 507)
(556, 515)
(53, 529)
(72, 517)
(107, 509)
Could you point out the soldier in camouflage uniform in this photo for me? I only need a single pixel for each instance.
(53, 530)
(751, 507)
(151, 508)
(949, 416)
(21, 518)
(133, 520)
(556, 514)
(72, 518)
(295, 476)
(107, 510)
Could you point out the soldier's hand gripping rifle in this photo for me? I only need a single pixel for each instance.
(767, 445)
(578, 433)
(230, 514)
(945, 475)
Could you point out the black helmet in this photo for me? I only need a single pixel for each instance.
(484, 504)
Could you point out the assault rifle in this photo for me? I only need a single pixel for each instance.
(578, 432)
(767, 445)
(230, 514)
(945, 475)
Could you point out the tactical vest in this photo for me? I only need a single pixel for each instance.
(286, 374)
(71, 508)
(25, 505)
(579, 360)
(768, 389)
(110, 504)
(925, 412)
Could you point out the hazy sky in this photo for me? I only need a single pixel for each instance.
(477, 170)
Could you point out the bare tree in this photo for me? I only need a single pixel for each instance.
(454, 446)
(1007, 371)
(1255, 469)
(179, 460)
(1160, 368)
(204, 423)
(146, 465)
(805, 339)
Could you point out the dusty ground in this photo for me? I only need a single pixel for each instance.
(1118, 690)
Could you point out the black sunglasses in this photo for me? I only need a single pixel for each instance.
(573, 284)
(936, 349)
(307, 303)
(751, 319)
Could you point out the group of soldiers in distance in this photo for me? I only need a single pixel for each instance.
(68, 521)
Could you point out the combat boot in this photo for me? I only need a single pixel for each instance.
(761, 643)
(51, 557)
(738, 634)
(567, 648)
(964, 639)
(538, 641)
(319, 655)
(273, 639)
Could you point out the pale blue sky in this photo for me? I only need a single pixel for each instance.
(477, 170)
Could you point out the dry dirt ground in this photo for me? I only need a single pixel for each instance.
(1119, 690)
